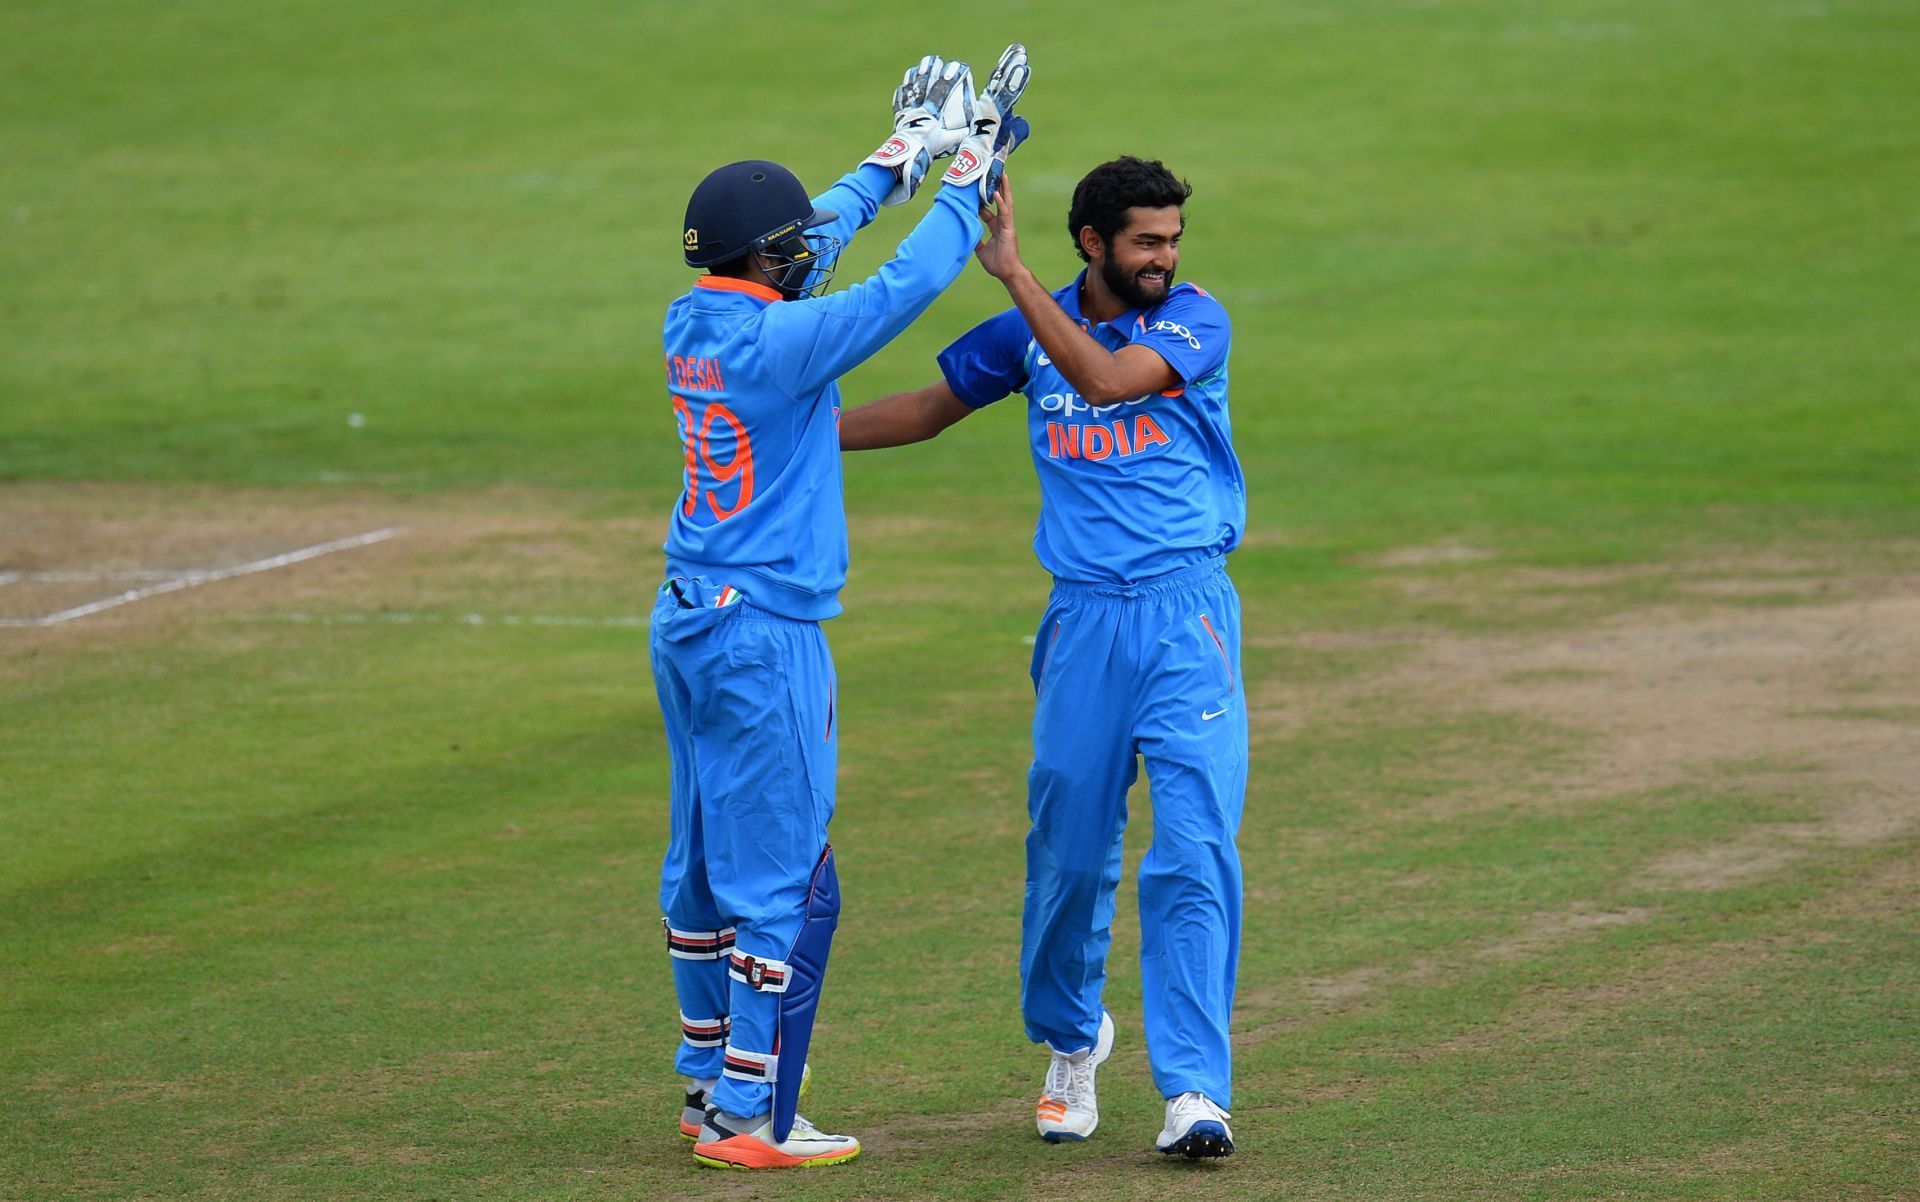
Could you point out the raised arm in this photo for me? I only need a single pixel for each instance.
(932, 114)
(1100, 376)
(831, 335)
(826, 337)
(854, 198)
(904, 417)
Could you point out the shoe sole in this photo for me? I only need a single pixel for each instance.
(1204, 1141)
(746, 1152)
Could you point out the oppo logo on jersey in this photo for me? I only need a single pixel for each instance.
(1174, 327)
(1097, 441)
(1069, 403)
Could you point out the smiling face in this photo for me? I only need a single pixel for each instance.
(1138, 263)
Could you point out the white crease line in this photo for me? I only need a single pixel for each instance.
(192, 579)
(87, 577)
(422, 618)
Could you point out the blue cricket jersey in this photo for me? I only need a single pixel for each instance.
(1129, 491)
(756, 399)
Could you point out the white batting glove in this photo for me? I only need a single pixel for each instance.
(932, 114)
(982, 157)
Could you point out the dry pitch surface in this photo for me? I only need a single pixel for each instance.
(1780, 668)
(1813, 667)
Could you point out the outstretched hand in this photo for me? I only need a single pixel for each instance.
(999, 252)
(932, 115)
(997, 133)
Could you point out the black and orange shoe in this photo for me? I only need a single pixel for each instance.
(693, 1111)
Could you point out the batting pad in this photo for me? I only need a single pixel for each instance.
(807, 970)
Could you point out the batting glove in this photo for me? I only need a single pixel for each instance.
(997, 133)
(932, 114)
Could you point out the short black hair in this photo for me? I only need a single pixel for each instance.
(1102, 199)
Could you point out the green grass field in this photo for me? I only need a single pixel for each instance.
(1575, 380)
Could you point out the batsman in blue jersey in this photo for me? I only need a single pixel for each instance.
(1124, 373)
(756, 557)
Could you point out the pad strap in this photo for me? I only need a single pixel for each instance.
(751, 1066)
(764, 976)
(704, 1032)
(697, 945)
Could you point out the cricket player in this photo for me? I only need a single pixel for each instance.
(756, 557)
(1124, 373)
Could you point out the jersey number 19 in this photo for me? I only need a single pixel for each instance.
(699, 439)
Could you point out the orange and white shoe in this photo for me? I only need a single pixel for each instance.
(1067, 1110)
(729, 1142)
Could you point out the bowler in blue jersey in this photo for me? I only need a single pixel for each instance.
(1124, 375)
(756, 555)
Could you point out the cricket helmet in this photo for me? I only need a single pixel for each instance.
(756, 205)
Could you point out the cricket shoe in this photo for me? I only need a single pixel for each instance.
(1067, 1110)
(730, 1142)
(1196, 1128)
(693, 1111)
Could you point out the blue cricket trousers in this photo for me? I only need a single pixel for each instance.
(1149, 670)
(748, 699)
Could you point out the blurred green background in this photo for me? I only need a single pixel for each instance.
(1584, 272)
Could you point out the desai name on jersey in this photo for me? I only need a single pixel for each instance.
(692, 373)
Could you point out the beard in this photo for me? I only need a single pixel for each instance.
(1127, 286)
